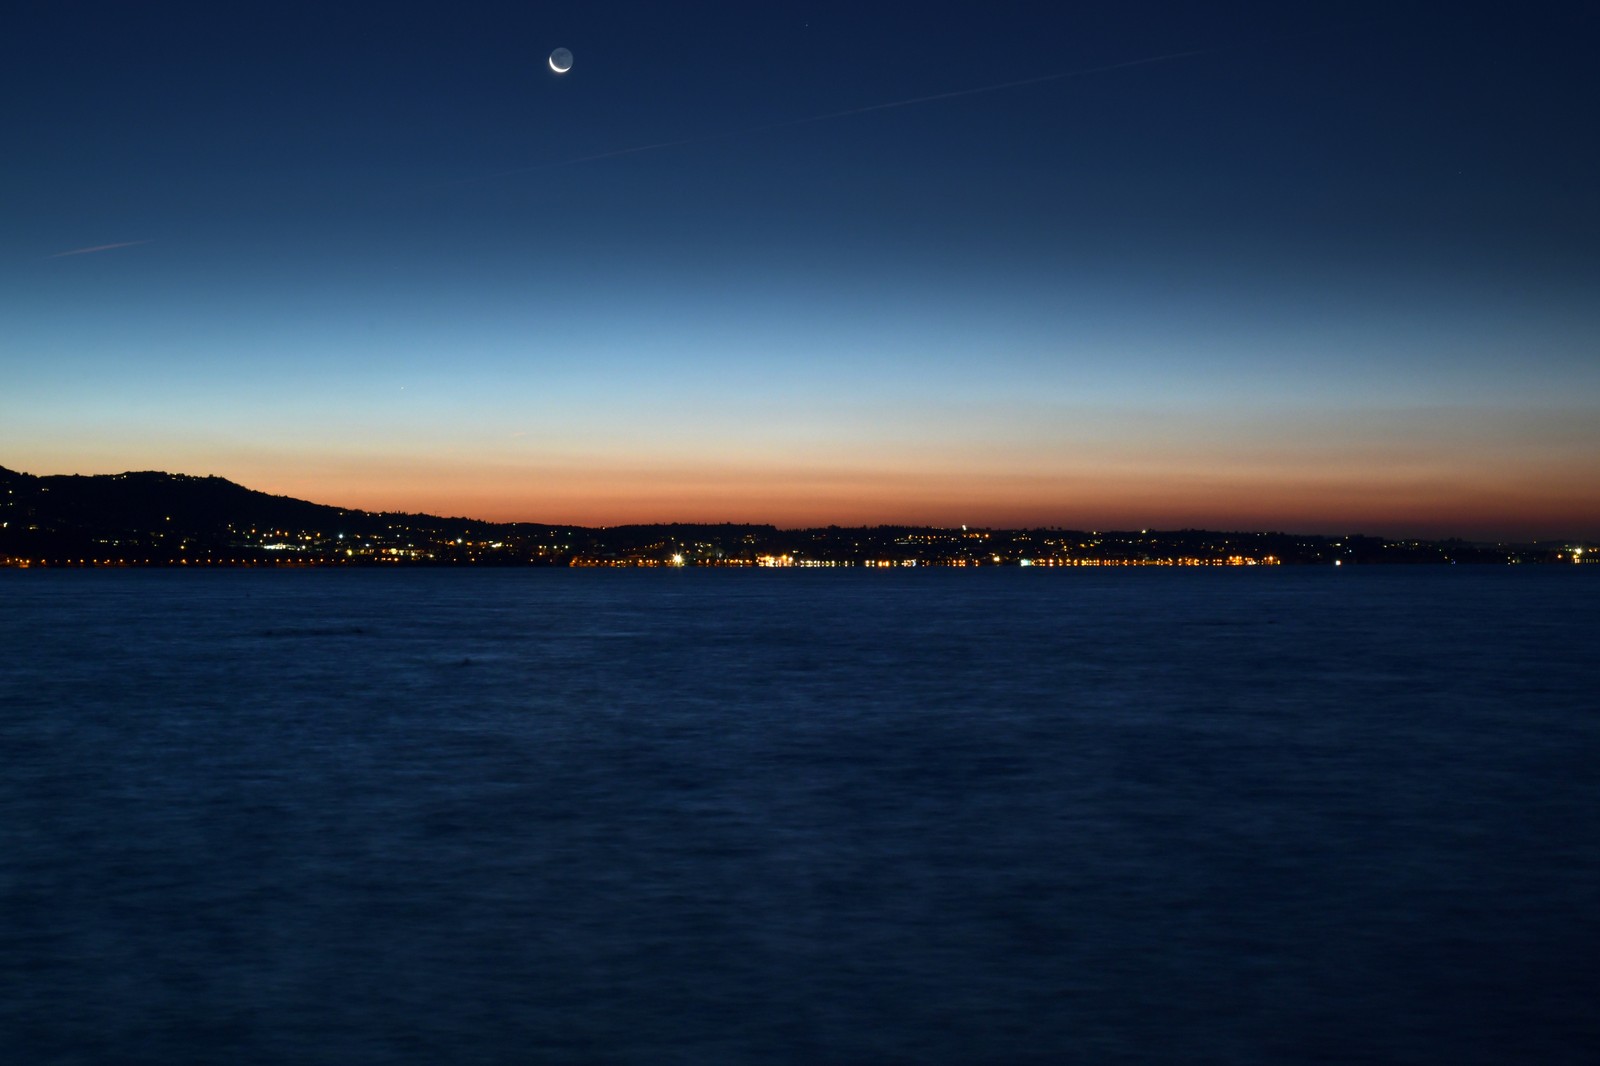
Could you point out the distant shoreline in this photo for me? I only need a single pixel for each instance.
(154, 519)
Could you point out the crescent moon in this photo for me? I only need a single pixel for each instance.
(561, 60)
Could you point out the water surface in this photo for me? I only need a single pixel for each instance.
(693, 816)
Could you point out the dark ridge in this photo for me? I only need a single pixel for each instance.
(149, 517)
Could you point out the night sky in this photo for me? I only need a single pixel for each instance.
(1319, 267)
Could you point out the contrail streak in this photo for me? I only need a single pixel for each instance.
(97, 248)
(996, 87)
(1082, 72)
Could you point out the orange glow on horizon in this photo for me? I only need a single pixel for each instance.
(1395, 506)
(1537, 494)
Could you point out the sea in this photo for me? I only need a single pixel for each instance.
(780, 816)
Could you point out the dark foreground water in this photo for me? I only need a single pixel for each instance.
(702, 817)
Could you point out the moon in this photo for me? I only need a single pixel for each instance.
(561, 60)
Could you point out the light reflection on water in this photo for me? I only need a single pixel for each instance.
(692, 816)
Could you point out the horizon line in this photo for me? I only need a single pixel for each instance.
(1138, 529)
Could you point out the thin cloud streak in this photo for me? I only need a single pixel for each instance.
(96, 248)
(786, 123)
(1085, 72)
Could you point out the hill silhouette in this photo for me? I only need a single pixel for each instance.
(153, 518)
(72, 513)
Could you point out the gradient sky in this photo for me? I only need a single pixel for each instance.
(1337, 270)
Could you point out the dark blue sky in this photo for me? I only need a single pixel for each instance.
(1335, 269)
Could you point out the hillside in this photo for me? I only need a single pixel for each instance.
(87, 515)
(153, 518)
